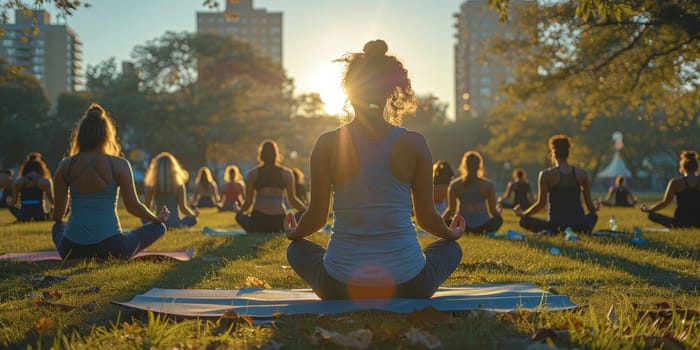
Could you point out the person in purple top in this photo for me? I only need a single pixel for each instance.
(377, 173)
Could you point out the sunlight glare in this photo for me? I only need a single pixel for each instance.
(326, 82)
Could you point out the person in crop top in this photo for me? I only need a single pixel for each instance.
(474, 196)
(561, 186)
(206, 191)
(377, 173)
(266, 186)
(686, 190)
(29, 188)
(94, 174)
(233, 189)
(165, 186)
(521, 190)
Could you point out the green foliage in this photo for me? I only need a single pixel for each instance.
(593, 67)
(23, 114)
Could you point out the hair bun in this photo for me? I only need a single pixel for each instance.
(375, 48)
(690, 154)
(94, 112)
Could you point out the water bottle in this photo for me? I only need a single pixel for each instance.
(613, 224)
(570, 235)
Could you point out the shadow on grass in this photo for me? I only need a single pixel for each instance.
(652, 274)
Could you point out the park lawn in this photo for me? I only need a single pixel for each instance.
(595, 272)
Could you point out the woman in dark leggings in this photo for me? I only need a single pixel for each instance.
(29, 188)
(266, 186)
(96, 175)
(561, 186)
(686, 190)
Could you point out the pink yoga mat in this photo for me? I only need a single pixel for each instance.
(49, 255)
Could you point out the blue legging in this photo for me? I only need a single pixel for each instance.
(442, 258)
(122, 246)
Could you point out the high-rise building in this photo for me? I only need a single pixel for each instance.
(50, 52)
(260, 28)
(478, 78)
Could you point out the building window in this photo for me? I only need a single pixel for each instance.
(485, 91)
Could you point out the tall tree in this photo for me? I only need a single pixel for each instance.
(23, 114)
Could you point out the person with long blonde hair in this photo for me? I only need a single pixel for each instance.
(165, 185)
(266, 187)
(30, 188)
(233, 189)
(206, 191)
(93, 174)
(377, 174)
(474, 196)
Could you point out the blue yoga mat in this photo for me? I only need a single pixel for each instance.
(266, 303)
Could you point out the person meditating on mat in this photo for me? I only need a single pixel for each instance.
(521, 190)
(619, 195)
(475, 195)
(94, 173)
(29, 189)
(561, 186)
(6, 180)
(165, 185)
(266, 185)
(233, 189)
(206, 192)
(377, 173)
(442, 176)
(686, 190)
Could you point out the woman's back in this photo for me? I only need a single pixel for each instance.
(372, 210)
(688, 200)
(92, 180)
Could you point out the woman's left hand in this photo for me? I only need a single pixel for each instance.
(290, 225)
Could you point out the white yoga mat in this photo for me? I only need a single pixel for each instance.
(266, 303)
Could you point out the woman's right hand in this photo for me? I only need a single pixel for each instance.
(290, 225)
(644, 208)
(163, 214)
(457, 226)
(518, 211)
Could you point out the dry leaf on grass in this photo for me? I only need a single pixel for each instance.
(254, 282)
(430, 315)
(357, 340)
(415, 336)
(44, 324)
(231, 318)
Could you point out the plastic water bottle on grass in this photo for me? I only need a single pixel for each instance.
(637, 237)
(570, 235)
(613, 224)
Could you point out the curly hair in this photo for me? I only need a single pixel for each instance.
(373, 77)
(560, 146)
(689, 162)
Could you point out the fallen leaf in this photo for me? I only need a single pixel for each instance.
(358, 340)
(254, 282)
(44, 324)
(415, 336)
(429, 315)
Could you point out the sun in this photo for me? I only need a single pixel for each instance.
(326, 81)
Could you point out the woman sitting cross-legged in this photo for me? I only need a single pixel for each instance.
(475, 195)
(561, 186)
(521, 190)
(377, 173)
(266, 187)
(165, 185)
(686, 190)
(29, 189)
(619, 195)
(94, 174)
(233, 189)
(206, 191)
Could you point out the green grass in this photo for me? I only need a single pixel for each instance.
(595, 272)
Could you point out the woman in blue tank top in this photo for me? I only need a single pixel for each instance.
(377, 173)
(29, 189)
(165, 185)
(94, 174)
(686, 190)
(562, 187)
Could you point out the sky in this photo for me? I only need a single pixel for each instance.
(420, 32)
